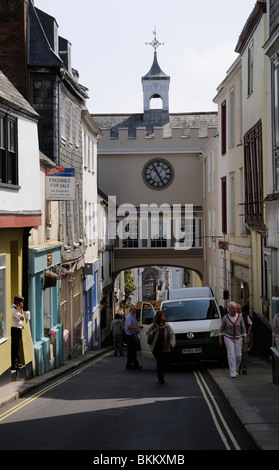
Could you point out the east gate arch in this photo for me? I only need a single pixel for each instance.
(153, 158)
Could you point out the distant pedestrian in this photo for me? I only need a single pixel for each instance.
(275, 330)
(248, 325)
(17, 315)
(163, 338)
(131, 329)
(117, 328)
(234, 333)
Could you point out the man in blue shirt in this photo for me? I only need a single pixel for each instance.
(131, 329)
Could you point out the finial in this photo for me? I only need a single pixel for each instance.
(155, 43)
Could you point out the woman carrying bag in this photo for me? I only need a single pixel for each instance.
(160, 338)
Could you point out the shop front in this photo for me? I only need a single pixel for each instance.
(46, 327)
(272, 210)
(12, 273)
(91, 310)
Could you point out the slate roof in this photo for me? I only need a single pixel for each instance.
(155, 73)
(185, 121)
(40, 51)
(11, 97)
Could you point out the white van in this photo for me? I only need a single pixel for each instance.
(185, 292)
(195, 318)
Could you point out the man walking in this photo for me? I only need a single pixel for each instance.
(131, 328)
(117, 329)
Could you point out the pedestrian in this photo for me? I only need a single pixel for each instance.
(117, 329)
(275, 330)
(234, 333)
(163, 338)
(131, 330)
(248, 325)
(17, 315)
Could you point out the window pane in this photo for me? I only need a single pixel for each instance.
(11, 168)
(11, 136)
(250, 67)
(276, 105)
(2, 151)
(2, 136)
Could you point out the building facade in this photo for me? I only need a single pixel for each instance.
(230, 244)
(40, 64)
(149, 162)
(20, 210)
(44, 265)
(255, 153)
(91, 272)
(271, 49)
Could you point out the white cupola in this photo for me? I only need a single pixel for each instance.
(155, 84)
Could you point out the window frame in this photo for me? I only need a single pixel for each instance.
(224, 204)
(8, 150)
(253, 171)
(250, 71)
(275, 123)
(224, 127)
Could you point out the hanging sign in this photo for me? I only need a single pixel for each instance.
(60, 184)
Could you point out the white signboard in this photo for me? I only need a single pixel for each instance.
(60, 184)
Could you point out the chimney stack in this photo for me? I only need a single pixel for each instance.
(13, 43)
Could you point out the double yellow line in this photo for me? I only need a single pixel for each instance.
(50, 387)
(216, 413)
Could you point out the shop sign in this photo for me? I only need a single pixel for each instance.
(60, 184)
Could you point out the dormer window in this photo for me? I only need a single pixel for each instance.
(65, 52)
(50, 27)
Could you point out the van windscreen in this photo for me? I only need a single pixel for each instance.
(189, 310)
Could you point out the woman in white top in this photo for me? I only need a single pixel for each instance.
(233, 332)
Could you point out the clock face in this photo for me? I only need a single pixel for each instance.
(158, 174)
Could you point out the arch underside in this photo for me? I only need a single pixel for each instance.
(128, 259)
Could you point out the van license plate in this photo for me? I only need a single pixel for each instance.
(192, 351)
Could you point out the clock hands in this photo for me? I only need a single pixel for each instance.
(159, 174)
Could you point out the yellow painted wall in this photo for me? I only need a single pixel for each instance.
(11, 246)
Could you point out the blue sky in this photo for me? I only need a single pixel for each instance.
(108, 47)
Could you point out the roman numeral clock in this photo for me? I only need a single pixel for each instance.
(158, 174)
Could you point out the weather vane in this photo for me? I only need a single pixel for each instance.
(155, 43)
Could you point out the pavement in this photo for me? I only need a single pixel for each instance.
(253, 397)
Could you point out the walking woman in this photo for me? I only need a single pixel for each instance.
(163, 338)
(234, 333)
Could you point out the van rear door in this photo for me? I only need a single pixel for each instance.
(147, 315)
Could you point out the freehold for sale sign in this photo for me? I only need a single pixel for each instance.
(60, 184)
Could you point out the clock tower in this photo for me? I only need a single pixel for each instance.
(155, 84)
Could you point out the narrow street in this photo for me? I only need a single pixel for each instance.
(103, 407)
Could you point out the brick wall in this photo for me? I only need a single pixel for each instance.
(13, 43)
